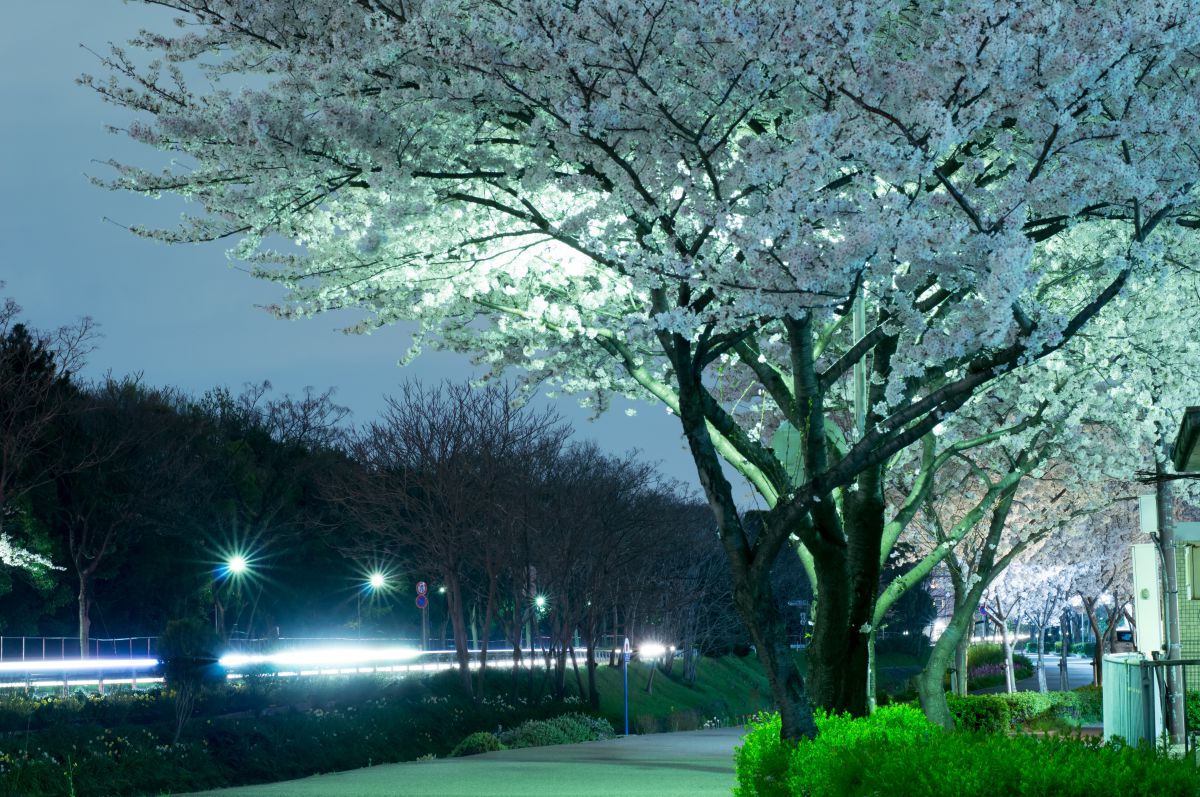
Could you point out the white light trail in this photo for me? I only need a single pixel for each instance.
(326, 658)
(76, 665)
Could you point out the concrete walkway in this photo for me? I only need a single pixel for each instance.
(656, 765)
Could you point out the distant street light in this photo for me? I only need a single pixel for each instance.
(375, 582)
(234, 569)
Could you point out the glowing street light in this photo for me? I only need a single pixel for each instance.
(375, 582)
(236, 564)
(540, 602)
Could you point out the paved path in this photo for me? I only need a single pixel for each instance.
(657, 765)
(1079, 673)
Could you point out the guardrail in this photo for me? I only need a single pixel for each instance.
(40, 648)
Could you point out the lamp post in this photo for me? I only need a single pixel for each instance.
(233, 568)
(373, 584)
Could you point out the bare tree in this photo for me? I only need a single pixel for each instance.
(431, 478)
(103, 506)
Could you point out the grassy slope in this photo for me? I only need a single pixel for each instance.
(727, 689)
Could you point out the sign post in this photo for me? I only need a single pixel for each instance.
(423, 605)
(625, 667)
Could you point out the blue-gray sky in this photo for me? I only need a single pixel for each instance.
(178, 315)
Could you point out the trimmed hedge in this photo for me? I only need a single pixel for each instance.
(564, 729)
(999, 713)
(476, 743)
(898, 753)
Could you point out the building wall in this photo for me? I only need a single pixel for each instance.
(1189, 607)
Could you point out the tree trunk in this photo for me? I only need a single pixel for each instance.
(1064, 680)
(589, 640)
(1041, 663)
(871, 672)
(1010, 677)
(848, 585)
(489, 612)
(1089, 606)
(575, 667)
(961, 659)
(755, 603)
(85, 607)
(454, 606)
(930, 681)
(952, 643)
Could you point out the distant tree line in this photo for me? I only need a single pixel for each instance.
(121, 504)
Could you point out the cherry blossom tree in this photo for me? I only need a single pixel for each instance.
(1037, 588)
(866, 210)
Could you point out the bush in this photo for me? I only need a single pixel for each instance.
(981, 713)
(476, 743)
(854, 758)
(1091, 704)
(985, 665)
(766, 767)
(564, 729)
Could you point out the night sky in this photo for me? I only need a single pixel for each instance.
(181, 315)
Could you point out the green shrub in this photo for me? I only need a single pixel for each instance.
(856, 758)
(1192, 710)
(766, 767)
(564, 729)
(981, 713)
(476, 743)
(984, 653)
(1024, 706)
(1091, 704)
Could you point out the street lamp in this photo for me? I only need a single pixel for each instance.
(235, 567)
(375, 582)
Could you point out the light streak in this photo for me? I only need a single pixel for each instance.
(76, 665)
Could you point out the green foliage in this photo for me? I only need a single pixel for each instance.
(1192, 710)
(768, 767)
(982, 713)
(1091, 704)
(901, 755)
(565, 729)
(314, 725)
(1000, 713)
(476, 743)
(727, 689)
(985, 665)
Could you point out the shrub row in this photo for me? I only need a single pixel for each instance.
(563, 729)
(899, 753)
(387, 721)
(999, 713)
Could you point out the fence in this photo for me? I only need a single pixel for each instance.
(1144, 699)
(40, 648)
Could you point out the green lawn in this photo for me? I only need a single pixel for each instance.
(726, 689)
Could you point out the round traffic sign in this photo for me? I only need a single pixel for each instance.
(422, 601)
(422, 588)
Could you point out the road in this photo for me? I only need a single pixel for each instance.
(656, 765)
(1079, 673)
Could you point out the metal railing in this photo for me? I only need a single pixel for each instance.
(41, 648)
(1145, 700)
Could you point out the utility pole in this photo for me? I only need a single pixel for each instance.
(1176, 713)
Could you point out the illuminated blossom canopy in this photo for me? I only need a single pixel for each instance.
(858, 213)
